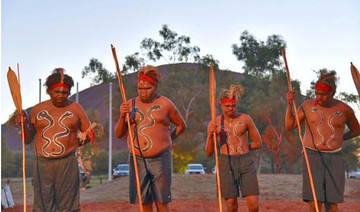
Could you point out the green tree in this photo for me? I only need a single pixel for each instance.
(260, 58)
(8, 166)
(349, 150)
(100, 162)
(172, 48)
(265, 85)
(120, 157)
(99, 72)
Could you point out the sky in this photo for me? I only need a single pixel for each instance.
(42, 35)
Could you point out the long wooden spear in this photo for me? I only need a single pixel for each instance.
(123, 95)
(14, 85)
(356, 77)
(299, 131)
(213, 116)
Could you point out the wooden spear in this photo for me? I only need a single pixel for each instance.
(14, 85)
(213, 116)
(356, 77)
(123, 95)
(299, 131)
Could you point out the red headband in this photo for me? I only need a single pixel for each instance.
(227, 101)
(322, 87)
(60, 85)
(146, 78)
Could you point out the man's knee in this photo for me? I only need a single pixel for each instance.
(253, 207)
(312, 207)
(231, 204)
(331, 207)
(252, 203)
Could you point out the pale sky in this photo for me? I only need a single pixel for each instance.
(42, 35)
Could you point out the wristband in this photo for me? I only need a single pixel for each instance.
(91, 134)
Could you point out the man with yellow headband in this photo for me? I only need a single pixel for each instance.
(55, 124)
(236, 166)
(151, 116)
(325, 118)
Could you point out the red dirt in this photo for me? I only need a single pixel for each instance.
(197, 193)
(199, 206)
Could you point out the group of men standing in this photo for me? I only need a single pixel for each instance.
(56, 124)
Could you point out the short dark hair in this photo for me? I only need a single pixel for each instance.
(328, 77)
(55, 78)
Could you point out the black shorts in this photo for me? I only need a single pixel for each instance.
(328, 174)
(56, 184)
(237, 171)
(154, 176)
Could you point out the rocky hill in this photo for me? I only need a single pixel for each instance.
(97, 98)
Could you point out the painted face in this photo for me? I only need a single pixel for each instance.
(323, 97)
(146, 91)
(59, 96)
(228, 109)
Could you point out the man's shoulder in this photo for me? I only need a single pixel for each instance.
(41, 105)
(308, 103)
(342, 105)
(244, 116)
(163, 100)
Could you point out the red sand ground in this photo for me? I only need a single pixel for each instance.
(199, 206)
(196, 193)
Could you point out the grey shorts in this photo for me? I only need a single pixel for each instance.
(237, 171)
(56, 184)
(328, 174)
(154, 176)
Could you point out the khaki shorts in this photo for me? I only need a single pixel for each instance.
(237, 171)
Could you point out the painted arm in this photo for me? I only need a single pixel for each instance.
(353, 125)
(85, 137)
(179, 122)
(290, 122)
(29, 129)
(254, 135)
(121, 127)
(209, 147)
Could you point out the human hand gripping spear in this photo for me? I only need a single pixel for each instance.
(14, 85)
(299, 131)
(213, 116)
(123, 95)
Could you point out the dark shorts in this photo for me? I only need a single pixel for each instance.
(154, 176)
(237, 171)
(56, 184)
(328, 174)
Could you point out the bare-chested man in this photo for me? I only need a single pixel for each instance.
(55, 124)
(151, 115)
(236, 166)
(325, 119)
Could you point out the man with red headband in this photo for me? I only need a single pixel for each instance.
(236, 166)
(325, 119)
(55, 125)
(151, 116)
